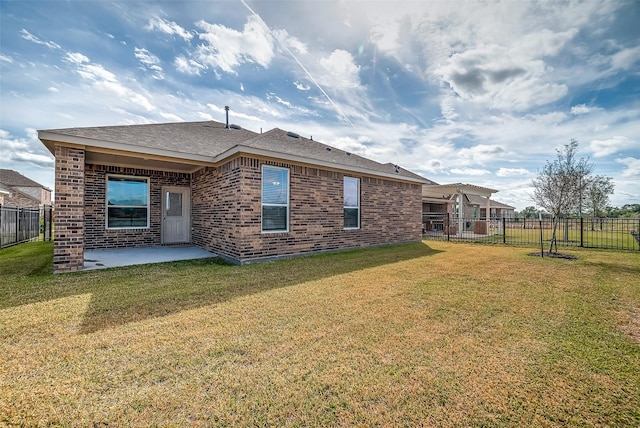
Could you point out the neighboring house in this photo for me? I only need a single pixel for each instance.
(241, 195)
(462, 202)
(497, 209)
(16, 190)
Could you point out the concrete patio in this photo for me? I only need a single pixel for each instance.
(102, 259)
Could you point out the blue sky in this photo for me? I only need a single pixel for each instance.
(474, 92)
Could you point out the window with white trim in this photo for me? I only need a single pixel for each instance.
(127, 202)
(275, 199)
(351, 203)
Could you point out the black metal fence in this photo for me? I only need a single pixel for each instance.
(19, 225)
(606, 233)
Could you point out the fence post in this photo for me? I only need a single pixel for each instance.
(448, 227)
(504, 230)
(541, 244)
(582, 231)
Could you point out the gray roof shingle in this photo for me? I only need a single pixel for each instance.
(12, 178)
(214, 138)
(203, 138)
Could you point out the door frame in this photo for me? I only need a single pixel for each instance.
(186, 198)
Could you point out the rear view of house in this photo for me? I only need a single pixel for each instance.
(241, 195)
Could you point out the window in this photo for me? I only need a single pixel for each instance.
(127, 202)
(275, 199)
(351, 203)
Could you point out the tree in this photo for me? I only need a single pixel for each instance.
(597, 193)
(560, 184)
(529, 212)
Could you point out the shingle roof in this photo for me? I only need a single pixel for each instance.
(10, 177)
(278, 140)
(213, 139)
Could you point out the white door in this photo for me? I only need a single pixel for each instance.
(176, 214)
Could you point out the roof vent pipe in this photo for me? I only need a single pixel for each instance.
(226, 109)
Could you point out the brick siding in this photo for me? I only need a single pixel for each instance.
(226, 210)
(229, 222)
(18, 199)
(97, 236)
(68, 252)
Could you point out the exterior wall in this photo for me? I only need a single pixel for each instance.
(217, 208)
(229, 223)
(42, 195)
(18, 199)
(45, 196)
(68, 252)
(430, 207)
(97, 235)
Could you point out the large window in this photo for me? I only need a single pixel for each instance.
(275, 199)
(351, 203)
(127, 202)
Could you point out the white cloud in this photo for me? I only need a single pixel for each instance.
(168, 27)
(30, 37)
(150, 62)
(470, 171)
(500, 78)
(633, 167)
(53, 89)
(24, 151)
(290, 42)
(105, 81)
(480, 154)
(226, 48)
(76, 57)
(301, 86)
(580, 109)
(601, 148)
(512, 172)
(5, 58)
(341, 72)
(626, 58)
(188, 66)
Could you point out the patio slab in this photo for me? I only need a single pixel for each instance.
(102, 259)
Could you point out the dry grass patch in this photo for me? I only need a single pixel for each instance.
(439, 334)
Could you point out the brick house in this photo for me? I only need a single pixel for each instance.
(17, 190)
(241, 195)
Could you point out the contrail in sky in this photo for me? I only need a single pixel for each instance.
(338, 109)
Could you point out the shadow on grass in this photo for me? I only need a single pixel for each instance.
(136, 293)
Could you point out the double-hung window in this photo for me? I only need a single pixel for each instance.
(275, 199)
(127, 202)
(351, 203)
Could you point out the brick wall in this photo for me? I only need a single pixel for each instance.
(390, 212)
(68, 252)
(97, 235)
(18, 199)
(216, 209)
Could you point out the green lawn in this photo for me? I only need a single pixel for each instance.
(431, 333)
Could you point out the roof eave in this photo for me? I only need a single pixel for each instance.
(50, 139)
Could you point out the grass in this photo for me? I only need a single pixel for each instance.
(431, 333)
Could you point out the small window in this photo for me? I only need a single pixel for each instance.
(275, 199)
(351, 203)
(127, 202)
